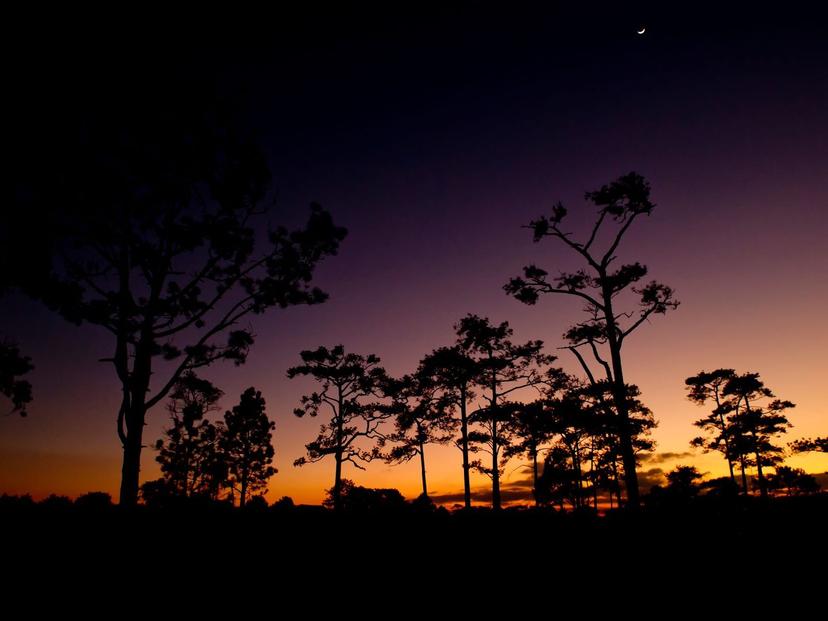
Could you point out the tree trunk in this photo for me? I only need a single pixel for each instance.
(619, 395)
(131, 465)
(579, 477)
(744, 475)
(136, 385)
(243, 496)
(535, 474)
(763, 488)
(724, 437)
(423, 469)
(337, 489)
(464, 433)
(592, 475)
(495, 468)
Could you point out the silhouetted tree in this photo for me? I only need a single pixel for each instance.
(55, 503)
(421, 417)
(558, 482)
(455, 371)
(160, 242)
(794, 481)
(94, 501)
(722, 487)
(189, 451)
(355, 498)
(257, 503)
(351, 386)
(808, 445)
(246, 446)
(533, 424)
(504, 369)
(756, 426)
(284, 504)
(532, 428)
(575, 425)
(706, 386)
(13, 365)
(682, 487)
(607, 460)
(683, 481)
(159, 493)
(599, 287)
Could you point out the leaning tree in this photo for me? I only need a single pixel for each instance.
(600, 285)
(352, 386)
(157, 230)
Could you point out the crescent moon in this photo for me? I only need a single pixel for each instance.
(642, 31)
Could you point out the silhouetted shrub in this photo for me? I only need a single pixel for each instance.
(94, 501)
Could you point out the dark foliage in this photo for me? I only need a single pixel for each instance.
(600, 285)
(154, 228)
(352, 386)
(246, 446)
(189, 453)
(14, 365)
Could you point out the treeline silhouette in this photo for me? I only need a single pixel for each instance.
(155, 231)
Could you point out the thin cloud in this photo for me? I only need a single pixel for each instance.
(660, 458)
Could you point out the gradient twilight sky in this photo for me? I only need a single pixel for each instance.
(433, 136)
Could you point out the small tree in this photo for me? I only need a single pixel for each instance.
(532, 428)
(706, 386)
(246, 445)
(421, 417)
(533, 424)
(683, 481)
(189, 451)
(757, 426)
(504, 368)
(358, 499)
(606, 457)
(351, 386)
(599, 286)
(794, 481)
(558, 482)
(13, 365)
(455, 371)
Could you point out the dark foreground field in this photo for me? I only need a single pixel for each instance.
(724, 533)
(733, 556)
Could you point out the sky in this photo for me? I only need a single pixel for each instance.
(433, 136)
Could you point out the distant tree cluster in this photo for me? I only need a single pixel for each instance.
(205, 459)
(569, 428)
(744, 423)
(584, 458)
